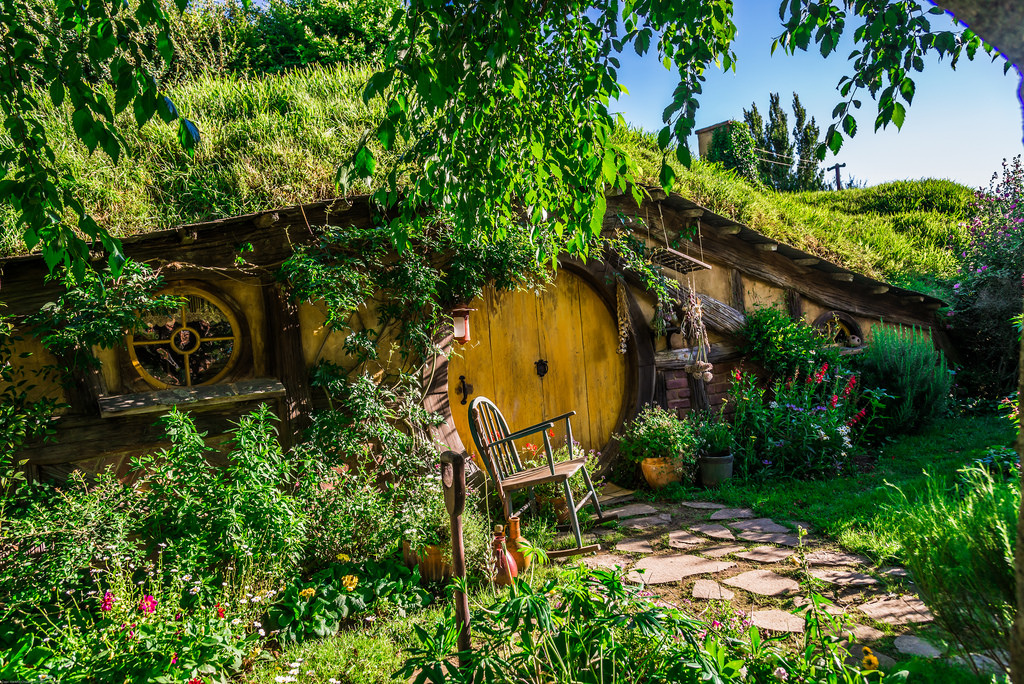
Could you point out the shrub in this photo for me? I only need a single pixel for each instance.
(658, 433)
(209, 515)
(906, 364)
(959, 545)
(714, 434)
(804, 427)
(781, 345)
(990, 286)
(732, 146)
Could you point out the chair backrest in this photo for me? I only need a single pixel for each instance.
(488, 425)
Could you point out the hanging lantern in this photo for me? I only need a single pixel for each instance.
(460, 324)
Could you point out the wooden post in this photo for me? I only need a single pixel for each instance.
(794, 302)
(287, 362)
(738, 298)
(453, 479)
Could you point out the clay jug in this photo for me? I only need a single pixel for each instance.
(505, 570)
(522, 562)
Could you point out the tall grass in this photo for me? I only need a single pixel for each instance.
(958, 544)
(277, 140)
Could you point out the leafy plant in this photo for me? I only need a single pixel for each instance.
(781, 345)
(732, 146)
(99, 309)
(959, 550)
(208, 515)
(658, 433)
(785, 164)
(714, 434)
(319, 606)
(906, 364)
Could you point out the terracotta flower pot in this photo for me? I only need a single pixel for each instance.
(659, 472)
(512, 543)
(558, 504)
(434, 566)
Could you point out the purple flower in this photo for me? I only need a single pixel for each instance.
(957, 286)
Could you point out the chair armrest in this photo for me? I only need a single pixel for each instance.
(525, 432)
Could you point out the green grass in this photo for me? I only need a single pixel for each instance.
(860, 512)
(277, 140)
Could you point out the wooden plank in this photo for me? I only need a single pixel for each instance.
(675, 359)
(287, 360)
(163, 401)
(795, 305)
(560, 333)
(738, 293)
(605, 368)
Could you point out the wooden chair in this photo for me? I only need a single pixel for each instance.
(498, 450)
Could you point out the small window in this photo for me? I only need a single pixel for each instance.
(197, 344)
(841, 328)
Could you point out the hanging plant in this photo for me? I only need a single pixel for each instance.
(694, 331)
(622, 313)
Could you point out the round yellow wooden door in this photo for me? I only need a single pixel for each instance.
(570, 329)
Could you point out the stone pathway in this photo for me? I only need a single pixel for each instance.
(702, 551)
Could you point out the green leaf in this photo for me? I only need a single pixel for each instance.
(168, 112)
(597, 218)
(898, 114)
(850, 125)
(188, 135)
(57, 92)
(907, 90)
(683, 155)
(364, 164)
(667, 177)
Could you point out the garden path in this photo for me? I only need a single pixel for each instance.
(699, 554)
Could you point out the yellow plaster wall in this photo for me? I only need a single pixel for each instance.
(30, 368)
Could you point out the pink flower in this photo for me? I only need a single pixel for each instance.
(147, 604)
(108, 601)
(220, 611)
(781, 674)
(174, 659)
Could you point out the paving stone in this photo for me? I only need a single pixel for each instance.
(681, 539)
(771, 538)
(867, 633)
(716, 531)
(633, 510)
(663, 569)
(763, 582)
(916, 646)
(766, 525)
(895, 572)
(777, 621)
(706, 505)
(766, 554)
(835, 558)
(721, 550)
(711, 590)
(605, 561)
(650, 521)
(603, 531)
(732, 514)
(845, 578)
(983, 663)
(898, 610)
(635, 546)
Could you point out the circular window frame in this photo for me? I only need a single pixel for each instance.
(827, 322)
(234, 319)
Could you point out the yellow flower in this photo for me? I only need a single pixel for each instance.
(308, 592)
(343, 558)
(870, 662)
(349, 582)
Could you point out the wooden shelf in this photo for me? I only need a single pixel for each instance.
(677, 261)
(162, 401)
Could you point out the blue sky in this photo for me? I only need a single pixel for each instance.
(961, 125)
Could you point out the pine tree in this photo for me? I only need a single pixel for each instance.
(785, 163)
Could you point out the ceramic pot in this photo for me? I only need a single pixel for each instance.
(715, 469)
(660, 472)
(434, 566)
(512, 544)
(505, 569)
(558, 505)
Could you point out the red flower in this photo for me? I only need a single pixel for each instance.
(174, 659)
(220, 611)
(197, 680)
(849, 385)
(856, 418)
(108, 601)
(147, 604)
(737, 374)
(834, 400)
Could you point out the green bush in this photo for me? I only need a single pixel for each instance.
(781, 345)
(958, 543)
(905, 363)
(658, 433)
(733, 147)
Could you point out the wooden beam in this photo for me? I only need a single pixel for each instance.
(287, 360)
(842, 277)
(738, 293)
(795, 304)
(766, 246)
(690, 213)
(913, 299)
(163, 401)
(806, 261)
(727, 230)
(878, 290)
(676, 359)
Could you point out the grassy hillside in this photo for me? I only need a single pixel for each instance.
(277, 141)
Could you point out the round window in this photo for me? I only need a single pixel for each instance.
(196, 344)
(840, 328)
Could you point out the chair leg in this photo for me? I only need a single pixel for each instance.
(593, 494)
(573, 518)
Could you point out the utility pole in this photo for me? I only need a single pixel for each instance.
(839, 183)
